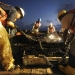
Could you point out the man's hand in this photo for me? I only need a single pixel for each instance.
(10, 24)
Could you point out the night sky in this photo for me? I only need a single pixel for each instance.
(47, 10)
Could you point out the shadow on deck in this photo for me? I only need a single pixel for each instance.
(33, 70)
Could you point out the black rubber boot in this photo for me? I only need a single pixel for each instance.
(71, 61)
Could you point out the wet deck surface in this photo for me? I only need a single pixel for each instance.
(34, 71)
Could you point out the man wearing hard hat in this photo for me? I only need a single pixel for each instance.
(8, 16)
(36, 26)
(68, 23)
(51, 28)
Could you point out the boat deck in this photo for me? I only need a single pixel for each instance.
(34, 71)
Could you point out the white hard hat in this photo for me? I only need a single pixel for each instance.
(50, 24)
(39, 19)
(22, 12)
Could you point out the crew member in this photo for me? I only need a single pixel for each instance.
(68, 23)
(8, 16)
(51, 29)
(36, 26)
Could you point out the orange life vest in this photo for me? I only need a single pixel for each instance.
(3, 20)
(51, 29)
(37, 25)
(3, 17)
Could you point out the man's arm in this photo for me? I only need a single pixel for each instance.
(11, 19)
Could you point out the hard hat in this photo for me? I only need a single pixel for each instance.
(50, 25)
(22, 12)
(39, 19)
(62, 12)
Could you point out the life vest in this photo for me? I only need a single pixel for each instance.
(71, 11)
(37, 25)
(72, 28)
(3, 17)
(51, 29)
(3, 20)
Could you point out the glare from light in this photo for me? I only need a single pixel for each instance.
(51, 36)
(59, 38)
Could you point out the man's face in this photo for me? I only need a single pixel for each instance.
(18, 15)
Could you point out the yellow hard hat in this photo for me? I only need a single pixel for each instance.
(62, 12)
